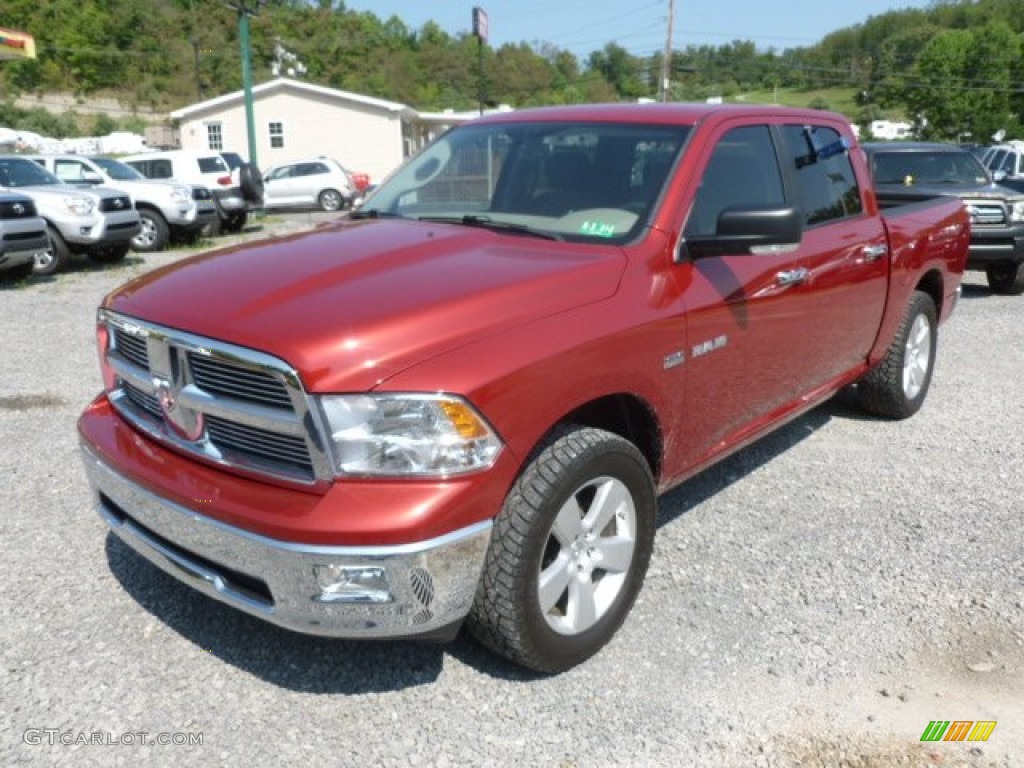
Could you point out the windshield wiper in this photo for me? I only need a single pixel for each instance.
(374, 213)
(486, 222)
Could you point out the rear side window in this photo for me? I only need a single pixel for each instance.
(743, 172)
(825, 180)
(213, 164)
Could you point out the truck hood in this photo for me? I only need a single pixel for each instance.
(60, 191)
(972, 191)
(353, 303)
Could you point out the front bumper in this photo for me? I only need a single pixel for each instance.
(430, 584)
(992, 247)
(100, 230)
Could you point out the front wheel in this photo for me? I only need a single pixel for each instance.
(154, 233)
(55, 258)
(568, 553)
(1006, 279)
(896, 388)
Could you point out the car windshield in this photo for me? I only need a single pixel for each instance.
(19, 172)
(574, 181)
(916, 168)
(117, 170)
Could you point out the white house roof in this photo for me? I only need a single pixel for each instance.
(295, 85)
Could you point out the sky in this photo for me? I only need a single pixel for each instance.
(640, 26)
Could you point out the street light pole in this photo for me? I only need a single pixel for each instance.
(247, 8)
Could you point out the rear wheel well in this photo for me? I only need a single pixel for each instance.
(931, 284)
(627, 416)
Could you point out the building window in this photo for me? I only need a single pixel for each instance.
(214, 136)
(276, 135)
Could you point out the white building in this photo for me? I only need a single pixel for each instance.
(295, 120)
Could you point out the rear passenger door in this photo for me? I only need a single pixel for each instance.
(845, 253)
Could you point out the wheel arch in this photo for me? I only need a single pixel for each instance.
(626, 415)
(931, 283)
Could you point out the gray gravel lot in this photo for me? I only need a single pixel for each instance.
(815, 600)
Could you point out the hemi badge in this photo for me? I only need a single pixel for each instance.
(671, 361)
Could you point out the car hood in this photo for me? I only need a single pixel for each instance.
(149, 187)
(351, 304)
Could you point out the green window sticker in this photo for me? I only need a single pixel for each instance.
(597, 229)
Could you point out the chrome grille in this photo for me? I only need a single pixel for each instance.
(260, 444)
(143, 400)
(132, 347)
(219, 377)
(986, 213)
(233, 406)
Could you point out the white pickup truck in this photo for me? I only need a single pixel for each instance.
(22, 236)
(99, 222)
(166, 209)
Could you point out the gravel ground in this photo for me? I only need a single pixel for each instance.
(815, 600)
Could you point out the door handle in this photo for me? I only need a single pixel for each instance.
(791, 276)
(874, 252)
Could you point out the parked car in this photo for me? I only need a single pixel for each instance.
(905, 171)
(22, 236)
(234, 199)
(166, 209)
(460, 403)
(320, 182)
(99, 221)
(1006, 164)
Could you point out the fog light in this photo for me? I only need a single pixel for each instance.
(352, 584)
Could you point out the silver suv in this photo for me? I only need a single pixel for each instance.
(100, 222)
(22, 236)
(234, 197)
(166, 209)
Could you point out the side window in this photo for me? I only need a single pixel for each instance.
(160, 169)
(317, 168)
(743, 171)
(825, 180)
(68, 171)
(276, 135)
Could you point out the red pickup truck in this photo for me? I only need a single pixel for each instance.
(459, 404)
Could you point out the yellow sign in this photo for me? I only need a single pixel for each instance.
(16, 45)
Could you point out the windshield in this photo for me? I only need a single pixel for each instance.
(929, 168)
(576, 181)
(117, 170)
(19, 172)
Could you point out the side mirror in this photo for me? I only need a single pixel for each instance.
(748, 230)
(91, 177)
(998, 176)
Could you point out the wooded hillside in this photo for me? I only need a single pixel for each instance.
(958, 64)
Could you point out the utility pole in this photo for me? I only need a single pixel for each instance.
(480, 30)
(666, 61)
(247, 8)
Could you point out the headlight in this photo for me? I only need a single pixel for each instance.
(81, 206)
(181, 194)
(407, 435)
(1017, 211)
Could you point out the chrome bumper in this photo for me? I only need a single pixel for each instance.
(429, 585)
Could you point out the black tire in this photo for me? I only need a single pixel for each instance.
(234, 222)
(251, 181)
(111, 254)
(897, 387)
(1006, 279)
(213, 228)
(55, 258)
(18, 273)
(154, 235)
(330, 200)
(522, 610)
